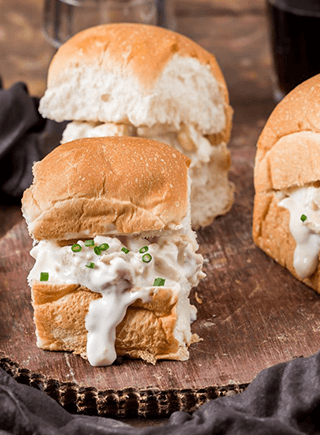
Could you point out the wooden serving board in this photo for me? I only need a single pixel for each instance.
(251, 314)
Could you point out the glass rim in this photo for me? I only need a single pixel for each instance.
(80, 3)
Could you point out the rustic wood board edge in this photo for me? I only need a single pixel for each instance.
(126, 403)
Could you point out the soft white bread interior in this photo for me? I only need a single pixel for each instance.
(137, 74)
(85, 187)
(287, 184)
(140, 80)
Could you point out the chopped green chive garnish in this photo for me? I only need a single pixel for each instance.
(125, 250)
(303, 217)
(146, 258)
(89, 243)
(143, 249)
(104, 247)
(159, 282)
(90, 265)
(76, 247)
(97, 250)
(44, 276)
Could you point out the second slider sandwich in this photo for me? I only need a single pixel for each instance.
(128, 79)
(115, 254)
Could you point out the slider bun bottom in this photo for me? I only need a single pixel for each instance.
(272, 234)
(147, 330)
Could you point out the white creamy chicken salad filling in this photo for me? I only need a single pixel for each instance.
(122, 269)
(303, 204)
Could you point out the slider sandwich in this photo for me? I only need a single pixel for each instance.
(115, 256)
(286, 221)
(146, 81)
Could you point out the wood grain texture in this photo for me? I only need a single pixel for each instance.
(251, 314)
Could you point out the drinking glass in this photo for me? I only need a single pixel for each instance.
(295, 32)
(64, 18)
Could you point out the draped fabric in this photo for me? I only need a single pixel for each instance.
(282, 400)
(25, 137)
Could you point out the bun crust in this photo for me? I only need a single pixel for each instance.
(293, 161)
(148, 49)
(59, 315)
(124, 62)
(288, 155)
(298, 111)
(96, 186)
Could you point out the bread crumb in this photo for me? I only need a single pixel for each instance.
(197, 297)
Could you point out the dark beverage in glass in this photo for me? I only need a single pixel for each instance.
(295, 35)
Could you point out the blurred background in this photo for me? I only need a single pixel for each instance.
(235, 31)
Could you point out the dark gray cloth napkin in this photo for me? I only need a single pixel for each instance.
(25, 137)
(284, 400)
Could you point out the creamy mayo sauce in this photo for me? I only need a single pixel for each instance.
(120, 277)
(304, 201)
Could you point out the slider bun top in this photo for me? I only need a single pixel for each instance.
(288, 150)
(138, 74)
(107, 185)
(293, 161)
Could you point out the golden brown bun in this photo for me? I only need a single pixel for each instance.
(93, 186)
(288, 155)
(145, 63)
(60, 310)
(298, 111)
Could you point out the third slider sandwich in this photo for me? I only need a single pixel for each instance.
(286, 223)
(115, 254)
